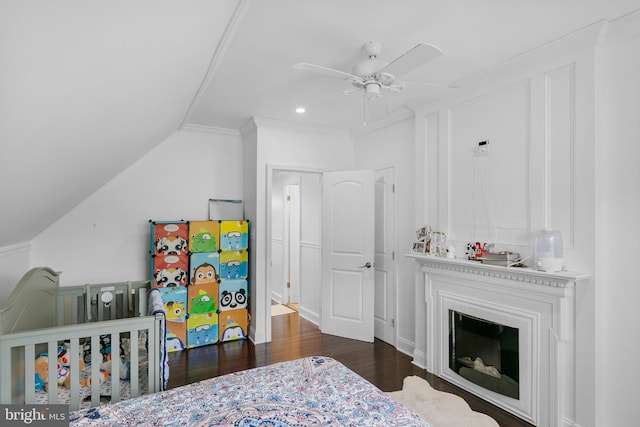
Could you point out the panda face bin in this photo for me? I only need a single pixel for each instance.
(230, 300)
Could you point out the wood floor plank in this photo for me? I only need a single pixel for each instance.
(294, 337)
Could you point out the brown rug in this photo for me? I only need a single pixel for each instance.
(438, 408)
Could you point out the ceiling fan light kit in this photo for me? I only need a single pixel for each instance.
(373, 74)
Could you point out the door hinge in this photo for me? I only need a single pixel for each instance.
(393, 323)
(393, 256)
(288, 285)
(393, 188)
(288, 197)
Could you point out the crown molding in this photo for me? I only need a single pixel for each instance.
(624, 28)
(210, 129)
(15, 248)
(283, 124)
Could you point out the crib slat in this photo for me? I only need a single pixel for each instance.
(154, 348)
(29, 373)
(75, 310)
(142, 306)
(96, 359)
(5, 374)
(134, 365)
(115, 367)
(100, 307)
(74, 372)
(60, 300)
(52, 354)
(113, 305)
(87, 299)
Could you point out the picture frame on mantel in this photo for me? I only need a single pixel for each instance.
(419, 247)
(421, 233)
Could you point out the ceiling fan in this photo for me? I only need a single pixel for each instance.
(374, 76)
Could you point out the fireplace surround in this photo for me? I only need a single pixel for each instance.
(536, 307)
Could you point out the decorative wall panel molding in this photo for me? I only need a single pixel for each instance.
(489, 194)
(560, 153)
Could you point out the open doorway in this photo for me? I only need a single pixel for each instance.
(294, 251)
(306, 266)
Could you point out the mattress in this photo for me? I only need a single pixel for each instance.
(313, 391)
(84, 395)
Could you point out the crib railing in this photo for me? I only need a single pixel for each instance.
(18, 352)
(95, 303)
(75, 316)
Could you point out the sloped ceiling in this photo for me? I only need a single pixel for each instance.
(88, 87)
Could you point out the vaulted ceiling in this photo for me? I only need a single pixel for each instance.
(89, 87)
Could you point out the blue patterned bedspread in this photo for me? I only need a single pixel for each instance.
(313, 391)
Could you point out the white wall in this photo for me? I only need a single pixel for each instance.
(106, 237)
(14, 263)
(563, 131)
(394, 146)
(250, 195)
(618, 221)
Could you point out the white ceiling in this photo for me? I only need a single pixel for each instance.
(254, 75)
(88, 87)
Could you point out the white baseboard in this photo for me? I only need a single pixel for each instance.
(309, 315)
(405, 346)
(569, 423)
(255, 337)
(420, 359)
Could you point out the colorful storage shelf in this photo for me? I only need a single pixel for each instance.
(202, 268)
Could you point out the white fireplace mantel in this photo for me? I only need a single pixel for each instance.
(540, 305)
(562, 279)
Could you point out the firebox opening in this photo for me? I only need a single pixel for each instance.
(485, 353)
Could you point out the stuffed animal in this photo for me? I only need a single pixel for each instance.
(124, 368)
(64, 364)
(103, 376)
(63, 367)
(42, 373)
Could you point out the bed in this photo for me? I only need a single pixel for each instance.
(312, 391)
(118, 326)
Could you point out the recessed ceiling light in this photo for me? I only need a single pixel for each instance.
(300, 110)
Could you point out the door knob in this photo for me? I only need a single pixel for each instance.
(367, 265)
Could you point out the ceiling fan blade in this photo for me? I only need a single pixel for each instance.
(328, 72)
(429, 84)
(413, 58)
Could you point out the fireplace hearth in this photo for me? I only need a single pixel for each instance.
(504, 334)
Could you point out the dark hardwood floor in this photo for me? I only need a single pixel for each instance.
(294, 337)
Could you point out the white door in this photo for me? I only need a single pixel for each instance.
(384, 309)
(348, 233)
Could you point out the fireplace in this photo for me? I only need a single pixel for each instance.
(504, 334)
(484, 353)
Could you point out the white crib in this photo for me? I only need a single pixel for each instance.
(40, 315)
